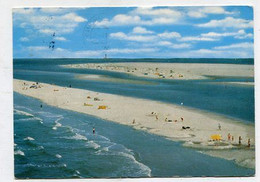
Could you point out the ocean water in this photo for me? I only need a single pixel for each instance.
(55, 143)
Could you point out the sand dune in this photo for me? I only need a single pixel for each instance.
(155, 117)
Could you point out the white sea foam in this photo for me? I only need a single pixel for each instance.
(57, 124)
(92, 144)
(31, 116)
(45, 165)
(105, 149)
(28, 138)
(19, 152)
(79, 137)
(145, 169)
(22, 107)
(39, 119)
(76, 137)
(32, 119)
(108, 147)
(27, 119)
(22, 113)
(103, 137)
(49, 115)
(58, 156)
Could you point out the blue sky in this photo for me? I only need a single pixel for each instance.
(158, 32)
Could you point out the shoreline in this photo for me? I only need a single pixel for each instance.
(149, 116)
(171, 71)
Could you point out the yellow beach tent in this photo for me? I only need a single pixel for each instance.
(86, 104)
(216, 137)
(102, 107)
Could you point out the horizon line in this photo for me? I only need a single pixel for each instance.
(129, 58)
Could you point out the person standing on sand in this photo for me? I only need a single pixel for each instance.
(248, 142)
(93, 130)
(232, 138)
(133, 121)
(219, 126)
(239, 140)
(229, 136)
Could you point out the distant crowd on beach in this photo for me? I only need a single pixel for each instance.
(230, 138)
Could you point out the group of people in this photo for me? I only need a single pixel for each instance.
(166, 119)
(231, 138)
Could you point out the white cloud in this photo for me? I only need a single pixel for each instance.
(128, 51)
(244, 45)
(164, 43)
(228, 22)
(169, 35)
(158, 12)
(197, 38)
(118, 20)
(44, 22)
(173, 45)
(142, 16)
(60, 38)
(100, 53)
(43, 51)
(239, 50)
(24, 11)
(241, 34)
(24, 39)
(37, 48)
(211, 53)
(180, 46)
(137, 38)
(55, 10)
(203, 12)
(141, 30)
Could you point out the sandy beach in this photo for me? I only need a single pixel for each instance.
(179, 71)
(178, 123)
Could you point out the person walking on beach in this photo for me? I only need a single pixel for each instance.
(93, 130)
(229, 136)
(232, 138)
(248, 142)
(239, 140)
(219, 126)
(133, 121)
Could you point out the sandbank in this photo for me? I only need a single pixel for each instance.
(178, 71)
(155, 117)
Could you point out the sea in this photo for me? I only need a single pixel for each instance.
(54, 143)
